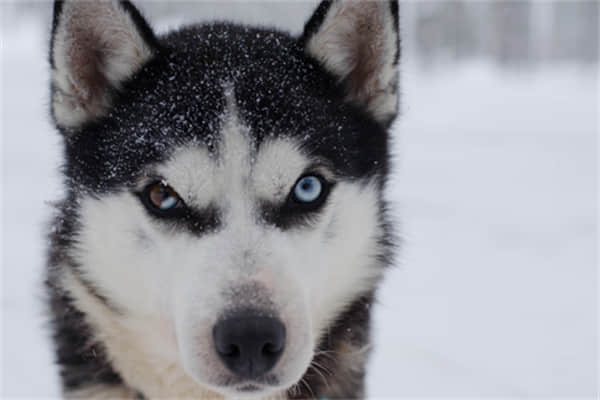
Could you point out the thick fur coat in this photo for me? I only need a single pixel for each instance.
(219, 173)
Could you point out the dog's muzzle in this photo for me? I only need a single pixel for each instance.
(249, 344)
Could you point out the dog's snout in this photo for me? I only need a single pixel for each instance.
(249, 345)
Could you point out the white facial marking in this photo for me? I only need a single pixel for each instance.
(277, 169)
(193, 176)
(172, 283)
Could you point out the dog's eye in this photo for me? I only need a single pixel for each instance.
(306, 197)
(308, 189)
(162, 196)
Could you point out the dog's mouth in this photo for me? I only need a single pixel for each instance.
(267, 381)
(249, 388)
(239, 386)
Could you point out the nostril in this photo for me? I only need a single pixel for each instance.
(271, 349)
(230, 351)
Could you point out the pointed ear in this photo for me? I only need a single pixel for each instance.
(358, 42)
(95, 47)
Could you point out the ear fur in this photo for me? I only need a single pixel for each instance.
(358, 42)
(95, 47)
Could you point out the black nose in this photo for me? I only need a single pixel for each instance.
(249, 345)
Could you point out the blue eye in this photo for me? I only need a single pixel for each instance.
(308, 189)
(163, 197)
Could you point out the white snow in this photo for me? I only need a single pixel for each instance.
(496, 290)
(496, 285)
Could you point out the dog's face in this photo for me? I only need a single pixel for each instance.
(226, 181)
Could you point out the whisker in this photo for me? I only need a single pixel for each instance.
(328, 354)
(314, 368)
(295, 390)
(312, 394)
(322, 367)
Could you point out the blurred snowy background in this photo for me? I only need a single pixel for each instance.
(495, 294)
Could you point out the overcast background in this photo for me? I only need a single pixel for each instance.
(495, 290)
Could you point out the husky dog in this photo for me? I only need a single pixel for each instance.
(223, 228)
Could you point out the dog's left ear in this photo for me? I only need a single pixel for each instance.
(358, 42)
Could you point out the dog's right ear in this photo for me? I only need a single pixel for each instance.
(95, 47)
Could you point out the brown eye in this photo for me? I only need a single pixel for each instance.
(162, 196)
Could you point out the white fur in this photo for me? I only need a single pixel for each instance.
(171, 285)
(87, 28)
(357, 43)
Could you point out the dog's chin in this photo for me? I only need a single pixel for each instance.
(249, 390)
(234, 387)
(230, 386)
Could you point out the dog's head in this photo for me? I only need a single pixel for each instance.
(224, 181)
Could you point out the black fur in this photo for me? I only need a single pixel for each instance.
(395, 6)
(141, 25)
(80, 356)
(58, 6)
(177, 99)
(314, 23)
(334, 373)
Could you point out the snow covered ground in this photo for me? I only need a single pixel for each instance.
(496, 288)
